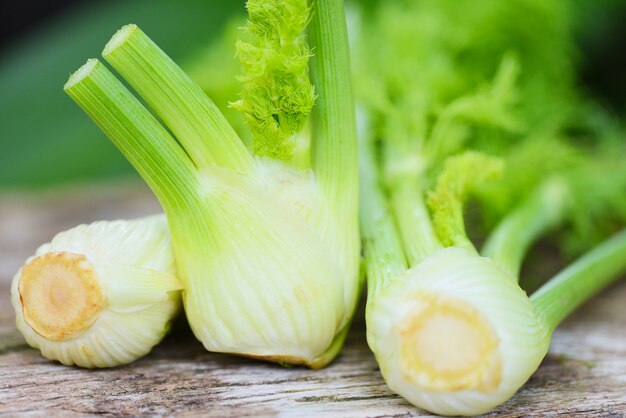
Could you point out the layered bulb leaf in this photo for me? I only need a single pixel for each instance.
(261, 279)
(455, 334)
(99, 295)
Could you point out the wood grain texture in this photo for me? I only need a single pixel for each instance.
(583, 375)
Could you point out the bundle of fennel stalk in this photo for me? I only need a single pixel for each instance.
(454, 100)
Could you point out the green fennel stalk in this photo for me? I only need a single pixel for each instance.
(582, 279)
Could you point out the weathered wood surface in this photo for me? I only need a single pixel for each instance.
(584, 374)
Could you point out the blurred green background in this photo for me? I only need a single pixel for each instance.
(45, 139)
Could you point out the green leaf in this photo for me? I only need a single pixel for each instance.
(461, 175)
(277, 96)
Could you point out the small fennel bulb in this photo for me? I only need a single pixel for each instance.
(99, 295)
(452, 331)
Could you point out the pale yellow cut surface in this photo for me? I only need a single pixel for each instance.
(60, 295)
(448, 345)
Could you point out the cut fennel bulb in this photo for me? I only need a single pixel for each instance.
(99, 295)
(267, 245)
(455, 334)
(452, 330)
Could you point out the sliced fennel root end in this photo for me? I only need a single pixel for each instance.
(60, 295)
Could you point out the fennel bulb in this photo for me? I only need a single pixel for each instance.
(452, 331)
(99, 295)
(267, 245)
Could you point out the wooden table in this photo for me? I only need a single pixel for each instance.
(583, 375)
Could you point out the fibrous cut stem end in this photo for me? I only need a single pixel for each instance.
(60, 295)
(119, 38)
(80, 74)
